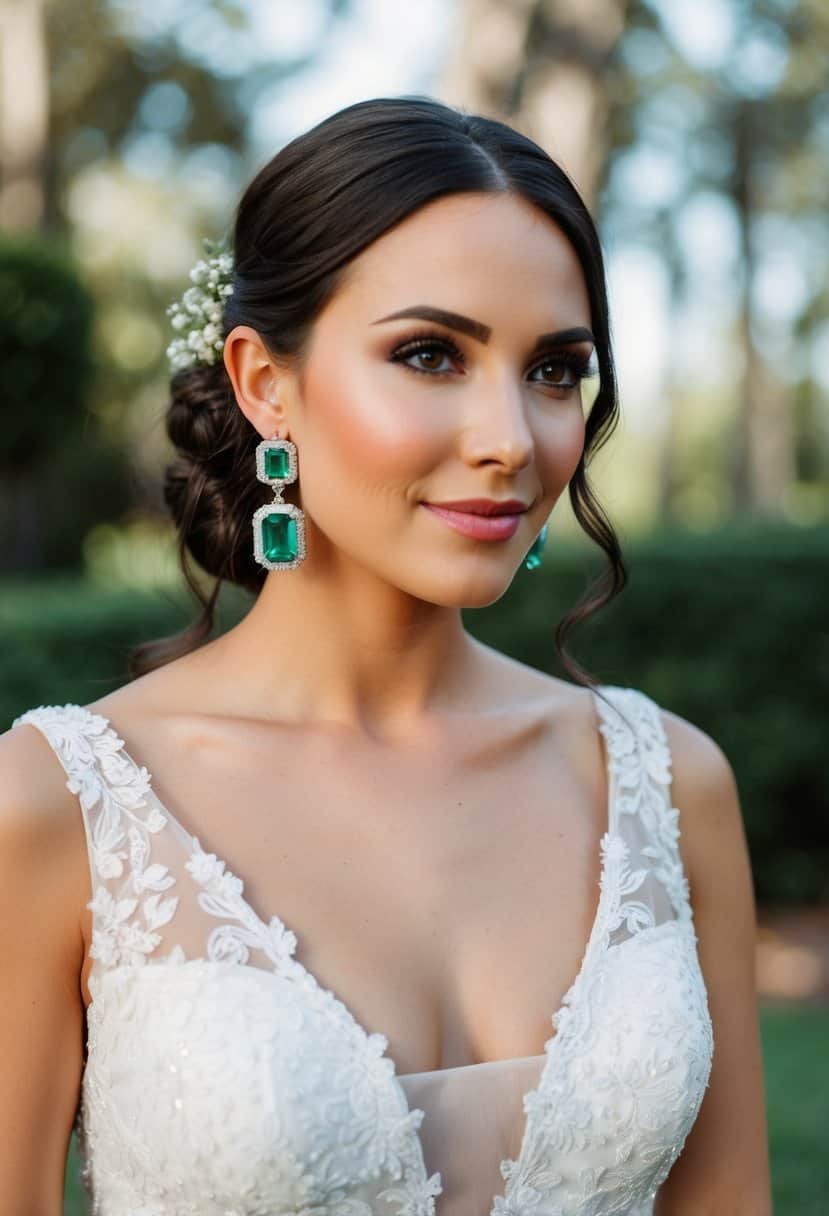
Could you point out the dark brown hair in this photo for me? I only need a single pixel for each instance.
(313, 208)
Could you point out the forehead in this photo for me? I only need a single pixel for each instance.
(493, 256)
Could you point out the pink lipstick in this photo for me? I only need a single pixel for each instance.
(481, 518)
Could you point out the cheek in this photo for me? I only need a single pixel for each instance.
(363, 431)
(559, 446)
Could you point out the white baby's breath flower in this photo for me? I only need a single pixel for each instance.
(197, 316)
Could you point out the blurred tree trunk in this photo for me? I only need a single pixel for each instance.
(670, 473)
(540, 65)
(763, 460)
(24, 113)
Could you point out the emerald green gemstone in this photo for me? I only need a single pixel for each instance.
(279, 539)
(533, 558)
(276, 462)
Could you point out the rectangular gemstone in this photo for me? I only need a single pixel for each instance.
(279, 541)
(276, 462)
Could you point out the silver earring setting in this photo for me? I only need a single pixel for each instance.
(278, 527)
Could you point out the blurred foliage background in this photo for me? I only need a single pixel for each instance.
(698, 132)
(699, 135)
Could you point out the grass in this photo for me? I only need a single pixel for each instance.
(796, 1065)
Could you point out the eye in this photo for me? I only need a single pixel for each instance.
(430, 352)
(563, 370)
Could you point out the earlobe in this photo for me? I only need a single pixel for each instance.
(254, 379)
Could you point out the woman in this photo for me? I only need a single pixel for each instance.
(434, 838)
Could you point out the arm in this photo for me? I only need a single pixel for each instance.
(723, 1169)
(43, 884)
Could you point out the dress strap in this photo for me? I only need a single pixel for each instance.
(123, 821)
(647, 824)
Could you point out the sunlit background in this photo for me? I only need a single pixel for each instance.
(698, 133)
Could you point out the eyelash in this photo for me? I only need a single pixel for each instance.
(576, 364)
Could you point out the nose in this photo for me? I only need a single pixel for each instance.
(496, 428)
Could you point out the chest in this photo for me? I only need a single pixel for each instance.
(251, 1089)
(414, 878)
(224, 1076)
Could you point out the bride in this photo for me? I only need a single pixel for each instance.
(343, 912)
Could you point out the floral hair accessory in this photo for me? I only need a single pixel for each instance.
(198, 314)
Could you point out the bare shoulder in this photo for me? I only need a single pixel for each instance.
(37, 810)
(704, 789)
(135, 696)
(699, 763)
(161, 692)
(42, 840)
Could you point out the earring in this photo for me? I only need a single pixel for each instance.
(533, 559)
(278, 527)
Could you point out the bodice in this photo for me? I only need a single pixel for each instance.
(222, 1079)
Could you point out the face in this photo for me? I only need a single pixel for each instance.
(443, 370)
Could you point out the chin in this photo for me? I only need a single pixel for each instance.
(478, 589)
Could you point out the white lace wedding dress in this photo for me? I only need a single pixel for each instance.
(223, 1080)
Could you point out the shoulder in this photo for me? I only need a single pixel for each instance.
(34, 800)
(43, 856)
(701, 769)
(712, 839)
(704, 789)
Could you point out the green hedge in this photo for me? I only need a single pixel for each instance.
(729, 631)
(45, 349)
(60, 472)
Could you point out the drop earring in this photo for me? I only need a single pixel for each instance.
(278, 527)
(534, 554)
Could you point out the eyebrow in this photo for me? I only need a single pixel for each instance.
(481, 332)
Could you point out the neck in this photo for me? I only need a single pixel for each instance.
(354, 651)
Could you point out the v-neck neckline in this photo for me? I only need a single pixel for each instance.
(299, 969)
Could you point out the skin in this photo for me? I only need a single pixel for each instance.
(381, 590)
(408, 867)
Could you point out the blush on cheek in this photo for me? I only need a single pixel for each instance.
(378, 440)
(358, 434)
(565, 448)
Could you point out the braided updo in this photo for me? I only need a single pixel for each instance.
(315, 206)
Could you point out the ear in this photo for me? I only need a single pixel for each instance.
(255, 379)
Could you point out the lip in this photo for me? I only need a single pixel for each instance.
(476, 524)
(483, 506)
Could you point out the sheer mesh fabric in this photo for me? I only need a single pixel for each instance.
(223, 1080)
(473, 1120)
